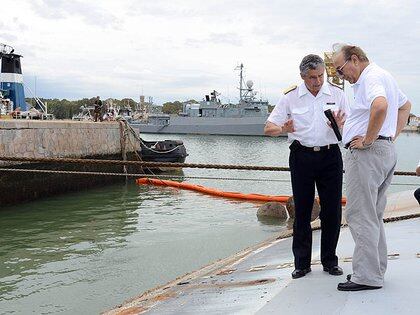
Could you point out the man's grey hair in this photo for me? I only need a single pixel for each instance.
(310, 62)
(348, 51)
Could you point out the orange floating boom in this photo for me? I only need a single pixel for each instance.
(212, 191)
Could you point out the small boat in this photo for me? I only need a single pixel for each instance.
(172, 151)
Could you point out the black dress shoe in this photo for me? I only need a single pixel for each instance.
(334, 270)
(351, 286)
(298, 273)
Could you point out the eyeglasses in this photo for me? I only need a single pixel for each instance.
(340, 70)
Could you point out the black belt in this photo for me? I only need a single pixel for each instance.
(296, 144)
(379, 138)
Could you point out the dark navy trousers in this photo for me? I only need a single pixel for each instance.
(325, 170)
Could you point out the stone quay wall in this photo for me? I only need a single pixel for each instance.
(60, 139)
(42, 139)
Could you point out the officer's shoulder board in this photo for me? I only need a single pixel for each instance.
(289, 89)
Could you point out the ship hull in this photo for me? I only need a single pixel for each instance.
(244, 126)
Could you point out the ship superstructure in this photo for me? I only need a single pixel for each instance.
(210, 116)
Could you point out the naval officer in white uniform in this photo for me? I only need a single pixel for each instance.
(315, 159)
(379, 113)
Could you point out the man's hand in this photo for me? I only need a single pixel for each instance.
(288, 126)
(418, 171)
(340, 118)
(358, 142)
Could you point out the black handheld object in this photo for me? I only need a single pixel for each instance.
(334, 125)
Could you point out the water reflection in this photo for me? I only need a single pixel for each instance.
(59, 230)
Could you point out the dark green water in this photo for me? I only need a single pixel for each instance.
(86, 252)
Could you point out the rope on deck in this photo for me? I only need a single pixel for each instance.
(289, 233)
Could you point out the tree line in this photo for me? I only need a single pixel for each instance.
(65, 109)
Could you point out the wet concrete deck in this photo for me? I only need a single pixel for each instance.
(257, 280)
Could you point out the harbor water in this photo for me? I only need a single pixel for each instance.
(83, 253)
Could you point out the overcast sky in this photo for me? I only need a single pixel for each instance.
(183, 49)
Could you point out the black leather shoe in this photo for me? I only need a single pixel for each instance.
(334, 270)
(351, 286)
(298, 273)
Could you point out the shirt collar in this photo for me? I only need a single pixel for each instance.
(325, 89)
(303, 90)
(364, 73)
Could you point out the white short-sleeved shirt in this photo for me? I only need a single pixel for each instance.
(307, 113)
(372, 83)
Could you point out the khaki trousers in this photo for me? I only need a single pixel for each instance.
(368, 174)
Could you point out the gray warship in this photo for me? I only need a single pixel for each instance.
(211, 117)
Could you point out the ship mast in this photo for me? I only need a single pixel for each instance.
(240, 80)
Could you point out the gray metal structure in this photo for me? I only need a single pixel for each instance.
(210, 116)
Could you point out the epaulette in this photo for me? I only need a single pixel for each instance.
(289, 89)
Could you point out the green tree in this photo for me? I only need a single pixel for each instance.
(172, 107)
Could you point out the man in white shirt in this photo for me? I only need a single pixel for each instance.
(378, 115)
(315, 158)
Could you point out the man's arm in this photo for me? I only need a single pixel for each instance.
(274, 130)
(403, 113)
(377, 116)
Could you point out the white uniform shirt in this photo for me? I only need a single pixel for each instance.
(372, 83)
(307, 113)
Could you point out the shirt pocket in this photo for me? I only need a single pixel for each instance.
(301, 117)
(300, 110)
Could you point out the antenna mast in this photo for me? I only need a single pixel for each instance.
(240, 80)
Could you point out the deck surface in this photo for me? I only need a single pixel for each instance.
(258, 280)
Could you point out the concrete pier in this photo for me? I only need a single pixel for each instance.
(59, 139)
(258, 279)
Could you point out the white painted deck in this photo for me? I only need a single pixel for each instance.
(258, 280)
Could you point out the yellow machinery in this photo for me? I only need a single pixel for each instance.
(331, 73)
